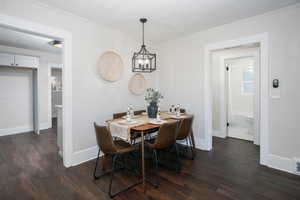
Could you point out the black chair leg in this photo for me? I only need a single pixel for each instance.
(191, 148)
(112, 175)
(155, 163)
(178, 159)
(111, 180)
(95, 170)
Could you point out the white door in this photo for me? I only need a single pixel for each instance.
(6, 59)
(26, 61)
(241, 101)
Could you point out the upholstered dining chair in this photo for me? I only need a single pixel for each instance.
(122, 114)
(116, 149)
(119, 115)
(184, 132)
(182, 110)
(166, 138)
(139, 112)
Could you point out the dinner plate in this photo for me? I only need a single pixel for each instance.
(170, 113)
(177, 117)
(157, 122)
(134, 117)
(126, 122)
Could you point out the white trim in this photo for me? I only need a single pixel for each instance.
(22, 129)
(203, 145)
(264, 97)
(281, 163)
(220, 133)
(35, 28)
(45, 125)
(17, 130)
(49, 97)
(85, 155)
(55, 66)
(239, 135)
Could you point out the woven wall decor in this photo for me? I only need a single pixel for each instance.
(137, 84)
(110, 66)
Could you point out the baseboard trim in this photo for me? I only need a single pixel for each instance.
(281, 163)
(17, 130)
(44, 126)
(219, 133)
(203, 145)
(85, 155)
(271, 160)
(22, 129)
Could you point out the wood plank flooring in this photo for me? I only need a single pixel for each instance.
(30, 168)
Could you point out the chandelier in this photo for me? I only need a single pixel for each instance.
(143, 61)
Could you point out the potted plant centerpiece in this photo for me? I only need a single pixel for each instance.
(152, 97)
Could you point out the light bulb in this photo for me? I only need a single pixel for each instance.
(141, 61)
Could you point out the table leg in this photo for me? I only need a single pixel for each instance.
(143, 161)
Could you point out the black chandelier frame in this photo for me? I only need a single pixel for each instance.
(143, 56)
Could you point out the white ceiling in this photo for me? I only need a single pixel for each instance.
(18, 39)
(169, 19)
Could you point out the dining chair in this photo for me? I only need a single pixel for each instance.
(182, 110)
(165, 139)
(119, 115)
(116, 149)
(139, 112)
(184, 132)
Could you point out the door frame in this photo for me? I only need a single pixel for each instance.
(50, 67)
(262, 39)
(26, 26)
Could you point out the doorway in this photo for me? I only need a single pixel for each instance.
(25, 26)
(240, 98)
(262, 126)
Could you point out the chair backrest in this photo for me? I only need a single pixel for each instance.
(185, 128)
(166, 136)
(182, 110)
(119, 115)
(104, 139)
(139, 112)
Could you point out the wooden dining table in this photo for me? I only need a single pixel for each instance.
(146, 128)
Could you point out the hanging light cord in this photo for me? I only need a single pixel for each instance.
(143, 34)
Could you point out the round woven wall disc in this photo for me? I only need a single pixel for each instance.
(137, 84)
(110, 66)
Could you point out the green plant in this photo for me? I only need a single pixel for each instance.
(153, 96)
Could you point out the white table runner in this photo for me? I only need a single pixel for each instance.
(119, 128)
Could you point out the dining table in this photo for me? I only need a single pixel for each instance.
(123, 128)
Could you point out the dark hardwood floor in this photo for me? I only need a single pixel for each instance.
(30, 168)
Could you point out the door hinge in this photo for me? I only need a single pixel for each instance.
(227, 124)
(227, 68)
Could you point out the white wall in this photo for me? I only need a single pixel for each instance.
(16, 100)
(181, 75)
(93, 98)
(45, 120)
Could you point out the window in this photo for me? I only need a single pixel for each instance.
(247, 82)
